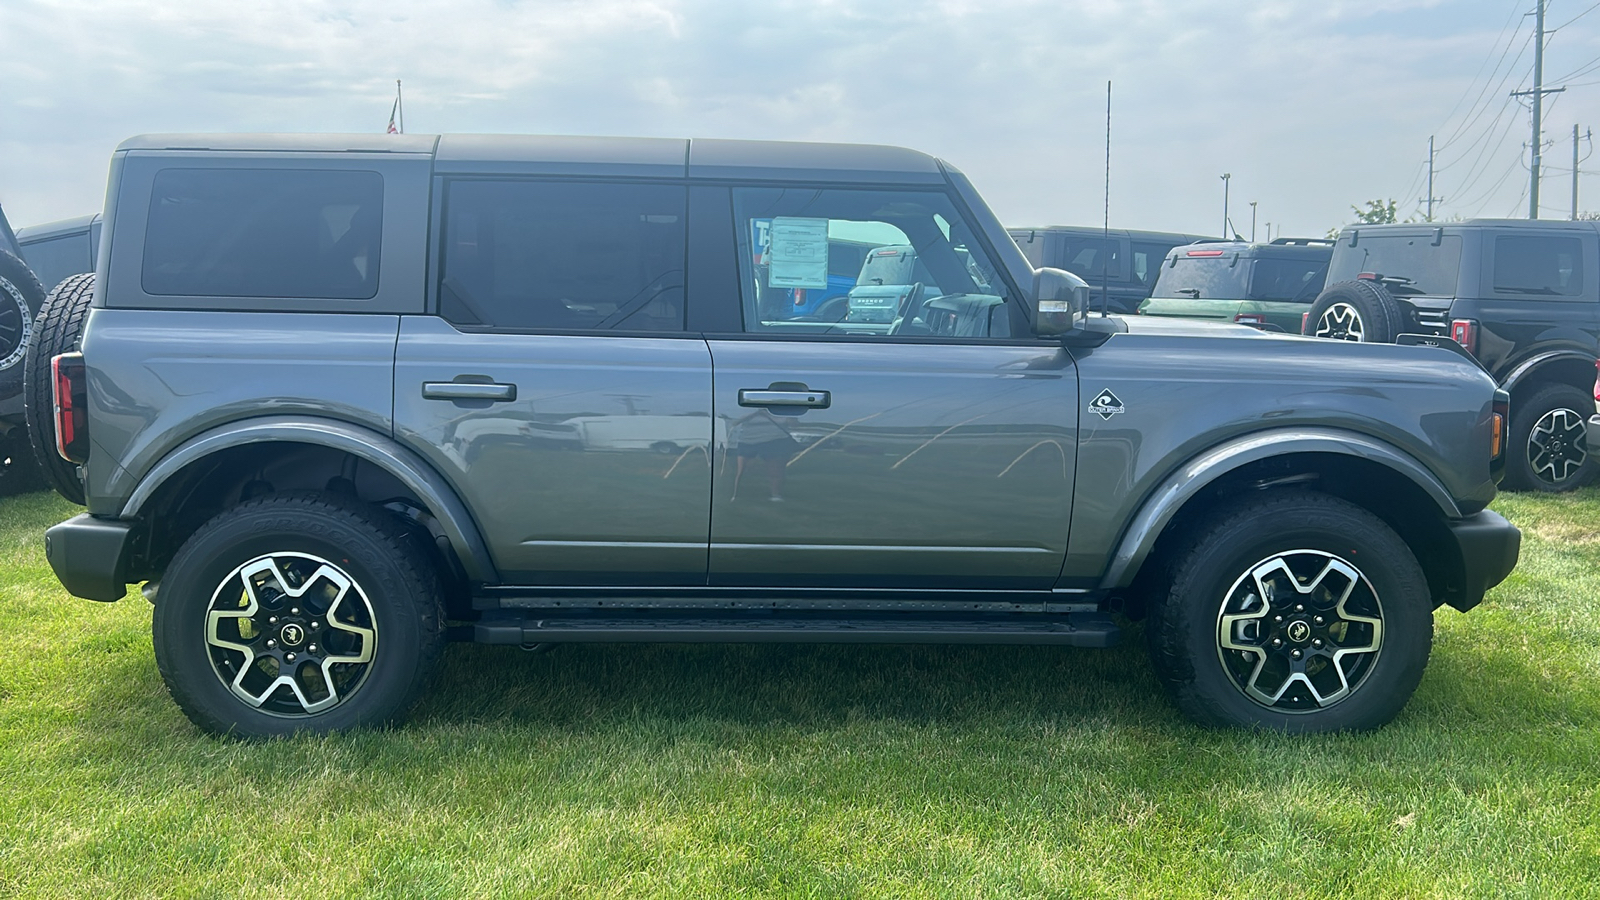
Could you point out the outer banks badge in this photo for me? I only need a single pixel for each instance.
(1106, 404)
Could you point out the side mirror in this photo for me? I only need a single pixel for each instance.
(1059, 299)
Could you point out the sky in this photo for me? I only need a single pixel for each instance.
(1310, 106)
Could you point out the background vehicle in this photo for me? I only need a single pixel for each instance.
(340, 402)
(1522, 296)
(1121, 269)
(58, 249)
(21, 295)
(1269, 286)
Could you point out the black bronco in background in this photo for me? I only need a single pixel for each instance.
(1522, 296)
(57, 250)
(21, 296)
(337, 399)
(1120, 268)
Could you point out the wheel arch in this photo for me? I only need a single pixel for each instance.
(228, 454)
(1552, 367)
(1376, 476)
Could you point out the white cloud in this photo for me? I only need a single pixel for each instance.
(1312, 106)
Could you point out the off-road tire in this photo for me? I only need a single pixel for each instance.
(58, 328)
(21, 295)
(1355, 311)
(1557, 457)
(383, 559)
(1186, 629)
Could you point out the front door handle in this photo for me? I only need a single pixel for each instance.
(804, 399)
(467, 390)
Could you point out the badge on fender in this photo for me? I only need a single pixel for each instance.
(1106, 404)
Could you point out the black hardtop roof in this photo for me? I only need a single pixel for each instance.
(577, 155)
(1096, 231)
(47, 230)
(1413, 228)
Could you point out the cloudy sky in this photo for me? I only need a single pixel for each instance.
(1310, 105)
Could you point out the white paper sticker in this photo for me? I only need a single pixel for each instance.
(798, 253)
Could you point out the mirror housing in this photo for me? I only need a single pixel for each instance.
(1059, 300)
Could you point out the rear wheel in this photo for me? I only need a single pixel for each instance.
(300, 612)
(58, 328)
(1299, 613)
(1549, 448)
(21, 295)
(1355, 311)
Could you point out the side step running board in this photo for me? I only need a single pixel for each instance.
(1079, 629)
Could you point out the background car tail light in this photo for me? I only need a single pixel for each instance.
(1465, 333)
(1597, 384)
(72, 406)
(1306, 317)
(1256, 319)
(1204, 253)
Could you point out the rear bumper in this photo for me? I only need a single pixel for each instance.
(1489, 546)
(90, 556)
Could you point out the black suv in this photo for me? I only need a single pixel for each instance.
(1522, 296)
(1120, 266)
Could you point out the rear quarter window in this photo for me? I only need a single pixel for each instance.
(1538, 266)
(289, 233)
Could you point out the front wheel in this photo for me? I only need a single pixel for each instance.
(1299, 613)
(1549, 450)
(300, 612)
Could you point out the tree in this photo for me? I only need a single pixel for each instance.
(1377, 213)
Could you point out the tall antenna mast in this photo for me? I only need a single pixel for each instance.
(1105, 276)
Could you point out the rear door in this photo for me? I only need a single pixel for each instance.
(558, 389)
(934, 447)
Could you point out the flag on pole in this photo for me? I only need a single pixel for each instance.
(392, 110)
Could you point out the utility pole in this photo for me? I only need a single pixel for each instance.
(1537, 94)
(1225, 177)
(1431, 199)
(1574, 172)
(1252, 221)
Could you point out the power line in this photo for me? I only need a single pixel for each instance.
(1576, 17)
(1473, 112)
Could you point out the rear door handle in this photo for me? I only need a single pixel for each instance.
(806, 399)
(467, 390)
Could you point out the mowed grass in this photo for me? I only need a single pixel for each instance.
(809, 771)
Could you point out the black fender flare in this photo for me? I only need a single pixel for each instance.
(374, 447)
(1201, 470)
(1528, 366)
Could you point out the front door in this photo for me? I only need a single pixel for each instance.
(913, 445)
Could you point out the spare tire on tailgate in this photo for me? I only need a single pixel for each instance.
(1355, 311)
(57, 329)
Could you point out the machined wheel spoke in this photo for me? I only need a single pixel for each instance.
(1341, 321)
(1557, 445)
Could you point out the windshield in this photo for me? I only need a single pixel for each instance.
(1410, 264)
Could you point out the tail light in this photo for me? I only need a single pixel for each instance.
(1465, 333)
(1597, 385)
(1255, 319)
(1305, 318)
(1500, 415)
(72, 406)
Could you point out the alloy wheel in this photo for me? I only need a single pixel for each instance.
(1556, 446)
(16, 323)
(291, 634)
(1341, 321)
(1299, 631)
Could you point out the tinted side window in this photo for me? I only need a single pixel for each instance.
(1032, 244)
(264, 233)
(1091, 258)
(1538, 266)
(56, 258)
(545, 255)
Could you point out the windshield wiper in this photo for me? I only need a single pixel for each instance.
(1191, 293)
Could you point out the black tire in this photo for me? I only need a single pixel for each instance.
(21, 295)
(1231, 673)
(58, 328)
(1355, 311)
(1547, 450)
(390, 612)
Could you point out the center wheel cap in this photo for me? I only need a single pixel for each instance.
(292, 635)
(1298, 631)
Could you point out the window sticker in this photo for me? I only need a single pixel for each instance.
(797, 253)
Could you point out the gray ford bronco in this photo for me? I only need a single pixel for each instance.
(338, 400)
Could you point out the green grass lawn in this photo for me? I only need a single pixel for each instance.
(809, 771)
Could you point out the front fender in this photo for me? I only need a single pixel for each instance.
(1195, 475)
(382, 451)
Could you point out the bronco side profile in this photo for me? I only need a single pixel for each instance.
(336, 400)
